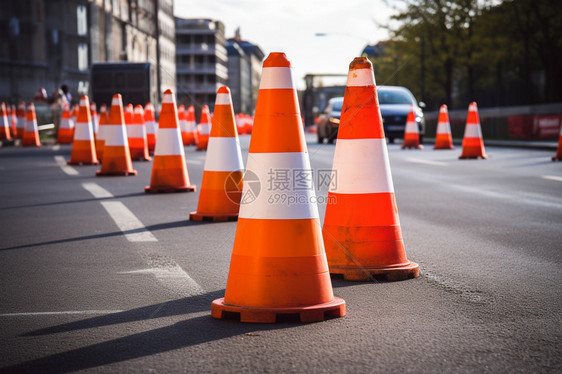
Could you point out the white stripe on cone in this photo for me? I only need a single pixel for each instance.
(136, 131)
(169, 143)
(204, 128)
(411, 127)
(66, 123)
(83, 131)
(150, 127)
(472, 131)
(273, 202)
(191, 125)
(116, 136)
(276, 78)
(443, 128)
(223, 154)
(361, 166)
(223, 99)
(360, 78)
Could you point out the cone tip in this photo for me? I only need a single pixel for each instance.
(443, 108)
(224, 90)
(117, 96)
(360, 63)
(168, 92)
(276, 59)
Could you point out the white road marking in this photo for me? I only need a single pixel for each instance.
(127, 221)
(67, 169)
(56, 147)
(553, 178)
(427, 162)
(97, 191)
(173, 277)
(60, 313)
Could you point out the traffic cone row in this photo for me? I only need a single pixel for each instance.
(472, 143)
(31, 131)
(191, 125)
(203, 129)
(66, 128)
(136, 131)
(411, 132)
(151, 127)
(83, 146)
(5, 132)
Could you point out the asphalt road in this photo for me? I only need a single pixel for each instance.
(97, 276)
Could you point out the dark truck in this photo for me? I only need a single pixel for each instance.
(136, 82)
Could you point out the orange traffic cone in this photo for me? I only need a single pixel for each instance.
(74, 113)
(151, 127)
(278, 264)
(221, 188)
(4, 123)
(83, 146)
(472, 143)
(100, 140)
(169, 170)
(95, 119)
(66, 128)
(558, 156)
(13, 119)
(31, 131)
(183, 123)
(443, 138)
(116, 157)
(203, 129)
(362, 231)
(137, 136)
(191, 125)
(21, 120)
(411, 132)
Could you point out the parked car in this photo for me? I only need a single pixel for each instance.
(395, 104)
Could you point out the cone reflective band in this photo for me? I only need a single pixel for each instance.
(151, 128)
(21, 119)
(472, 142)
(116, 157)
(137, 136)
(558, 156)
(66, 127)
(362, 233)
(100, 139)
(411, 132)
(221, 187)
(169, 170)
(443, 138)
(191, 126)
(83, 146)
(95, 119)
(31, 131)
(4, 123)
(203, 129)
(278, 264)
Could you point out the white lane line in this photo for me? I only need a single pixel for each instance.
(427, 162)
(172, 276)
(553, 178)
(97, 191)
(60, 313)
(127, 221)
(67, 169)
(56, 147)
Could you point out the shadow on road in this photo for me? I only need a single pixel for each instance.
(186, 333)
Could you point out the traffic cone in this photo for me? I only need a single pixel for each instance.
(137, 136)
(4, 123)
(278, 264)
(183, 124)
(95, 119)
(13, 118)
(443, 138)
(472, 143)
(21, 120)
(66, 128)
(558, 156)
(31, 131)
(169, 170)
(411, 132)
(191, 125)
(83, 146)
(362, 233)
(116, 157)
(100, 140)
(74, 113)
(203, 129)
(151, 128)
(221, 187)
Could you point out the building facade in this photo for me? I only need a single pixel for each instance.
(201, 61)
(52, 43)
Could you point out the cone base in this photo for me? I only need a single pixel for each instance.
(100, 173)
(419, 146)
(306, 314)
(82, 162)
(447, 147)
(472, 157)
(212, 217)
(390, 273)
(169, 189)
(557, 158)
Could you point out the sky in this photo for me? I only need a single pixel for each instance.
(290, 26)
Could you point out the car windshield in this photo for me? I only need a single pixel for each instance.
(336, 106)
(393, 97)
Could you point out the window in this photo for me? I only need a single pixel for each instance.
(81, 20)
(82, 56)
